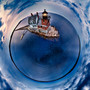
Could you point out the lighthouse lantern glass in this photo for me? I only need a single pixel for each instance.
(44, 14)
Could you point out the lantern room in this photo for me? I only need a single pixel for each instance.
(45, 14)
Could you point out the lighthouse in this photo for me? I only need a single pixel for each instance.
(40, 25)
(45, 22)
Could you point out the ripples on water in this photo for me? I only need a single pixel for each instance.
(76, 11)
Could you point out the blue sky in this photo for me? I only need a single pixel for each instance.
(14, 8)
(1, 22)
(1, 34)
(4, 84)
(20, 4)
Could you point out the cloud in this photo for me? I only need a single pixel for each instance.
(3, 83)
(80, 80)
(86, 87)
(21, 5)
(86, 80)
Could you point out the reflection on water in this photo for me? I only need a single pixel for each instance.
(46, 60)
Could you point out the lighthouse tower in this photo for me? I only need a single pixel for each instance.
(45, 21)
